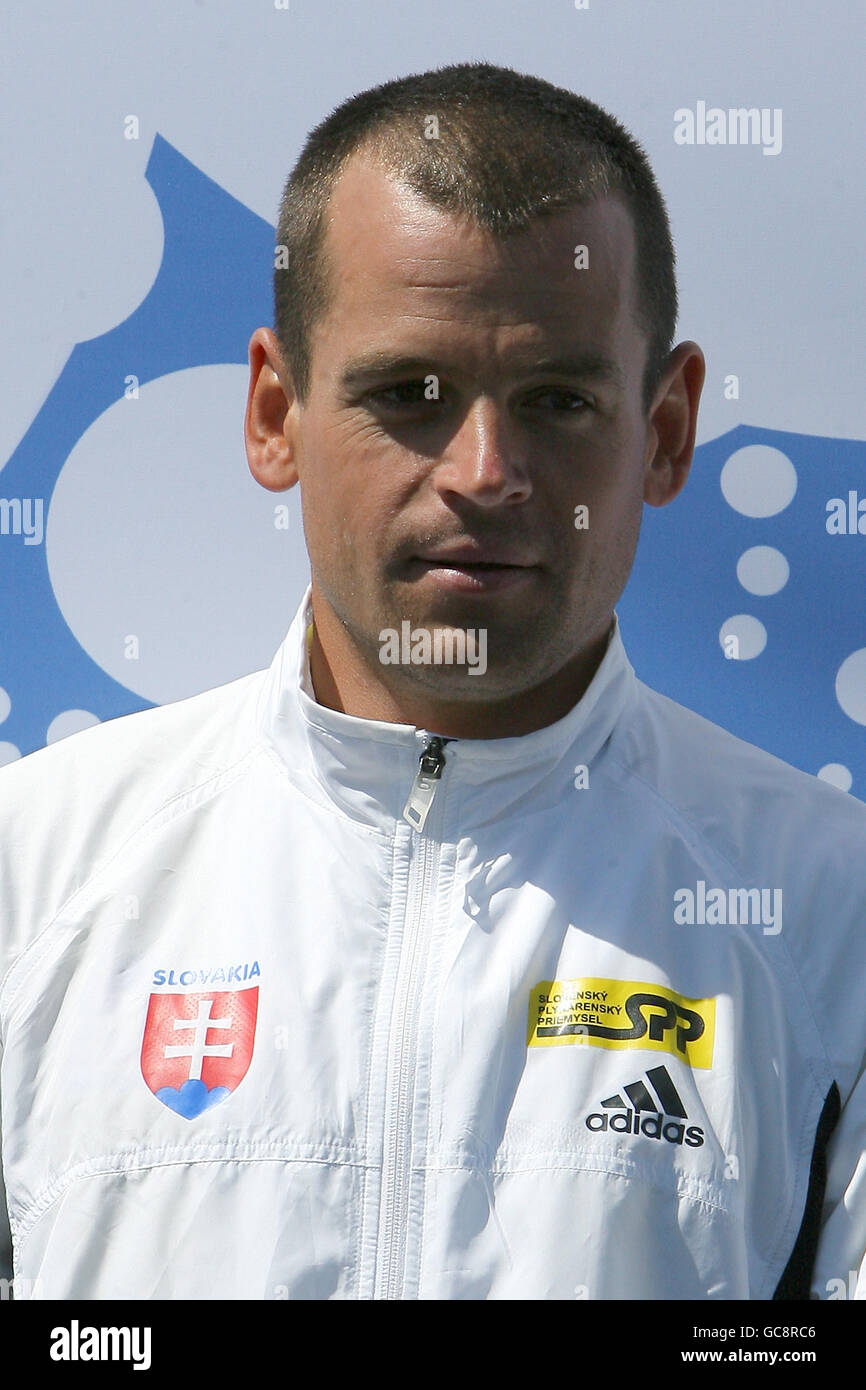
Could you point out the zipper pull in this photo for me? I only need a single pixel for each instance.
(430, 766)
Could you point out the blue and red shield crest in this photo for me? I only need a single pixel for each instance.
(198, 1047)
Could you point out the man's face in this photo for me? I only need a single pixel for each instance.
(400, 474)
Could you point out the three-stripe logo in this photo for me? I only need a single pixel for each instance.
(639, 1113)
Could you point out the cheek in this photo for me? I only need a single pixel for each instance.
(347, 456)
(615, 481)
(608, 497)
(604, 530)
(345, 495)
(619, 499)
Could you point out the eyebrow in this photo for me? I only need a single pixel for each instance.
(378, 365)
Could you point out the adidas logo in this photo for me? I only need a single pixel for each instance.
(640, 1114)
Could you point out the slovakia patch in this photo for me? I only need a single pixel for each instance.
(198, 1047)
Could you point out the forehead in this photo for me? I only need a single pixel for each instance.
(395, 259)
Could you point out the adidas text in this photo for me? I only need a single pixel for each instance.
(654, 1126)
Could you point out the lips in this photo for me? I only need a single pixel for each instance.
(468, 564)
(472, 557)
(458, 574)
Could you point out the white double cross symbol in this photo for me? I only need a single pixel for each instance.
(200, 1049)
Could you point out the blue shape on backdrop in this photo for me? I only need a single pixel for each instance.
(212, 290)
(684, 586)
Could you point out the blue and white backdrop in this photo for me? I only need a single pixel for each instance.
(149, 144)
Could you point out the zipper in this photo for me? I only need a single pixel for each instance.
(427, 778)
(395, 1192)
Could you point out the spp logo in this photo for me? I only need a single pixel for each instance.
(198, 1047)
(622, 1014)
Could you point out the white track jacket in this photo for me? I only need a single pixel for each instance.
(591, 1026)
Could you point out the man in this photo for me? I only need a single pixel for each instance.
(443, 959)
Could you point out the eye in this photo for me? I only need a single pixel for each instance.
(403, 393)
(565, 400)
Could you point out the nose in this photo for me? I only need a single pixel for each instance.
(482, 461)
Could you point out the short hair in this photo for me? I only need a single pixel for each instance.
(510, 148)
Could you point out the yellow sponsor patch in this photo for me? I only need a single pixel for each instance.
(622, 1014)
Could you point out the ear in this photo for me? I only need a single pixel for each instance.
(270, 423)
(672, 425)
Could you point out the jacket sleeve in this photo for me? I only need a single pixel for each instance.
(840, 1260)
(5, 1233)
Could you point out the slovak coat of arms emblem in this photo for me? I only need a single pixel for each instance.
(198, 1047)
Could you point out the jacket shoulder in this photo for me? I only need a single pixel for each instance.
(737, 792)
(753, 821)
(65, 810)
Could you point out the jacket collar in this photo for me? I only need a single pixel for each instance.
(366, 767)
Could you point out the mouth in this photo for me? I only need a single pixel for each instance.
(471, 576)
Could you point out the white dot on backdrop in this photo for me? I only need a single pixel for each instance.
(763, 570)
(157, 532)
(758, 480)
(8, 753)
(750, 634)
(837, 774)
(71, 721)
(5, 704)
(851, 686)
